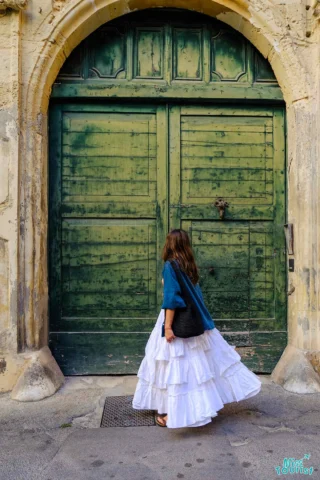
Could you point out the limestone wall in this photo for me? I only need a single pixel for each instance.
(10, 364)
(35, 40)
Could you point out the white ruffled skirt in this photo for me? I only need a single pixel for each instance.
(190, 379)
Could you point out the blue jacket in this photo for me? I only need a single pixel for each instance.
(172, 298)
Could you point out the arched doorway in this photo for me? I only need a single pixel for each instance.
(152, 118)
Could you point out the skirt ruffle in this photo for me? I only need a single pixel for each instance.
(190, 379)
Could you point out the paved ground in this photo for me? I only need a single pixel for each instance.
(59, 438)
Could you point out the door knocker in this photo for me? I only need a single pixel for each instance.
(221, 205)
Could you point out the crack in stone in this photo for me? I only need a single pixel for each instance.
(239, 443)
(282, 428)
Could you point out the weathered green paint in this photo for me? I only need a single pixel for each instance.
(237, 154)
(105, 269)
(122, 174)
(214, 91)
(169, 54)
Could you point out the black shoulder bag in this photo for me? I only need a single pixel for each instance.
(187, 321)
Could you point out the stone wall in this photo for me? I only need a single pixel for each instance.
(35, 40)
(10, 33)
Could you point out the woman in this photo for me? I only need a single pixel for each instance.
(188, 379)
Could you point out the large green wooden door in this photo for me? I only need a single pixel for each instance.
(148, 127)
(236, 154)
(112, 203)
(107, 227)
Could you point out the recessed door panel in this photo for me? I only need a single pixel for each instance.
(238, 155)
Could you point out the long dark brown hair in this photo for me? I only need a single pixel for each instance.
(178, 247)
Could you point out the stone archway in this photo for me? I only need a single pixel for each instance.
(265, 27)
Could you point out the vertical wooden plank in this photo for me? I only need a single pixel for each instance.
(250, 62)
(206, 54)
(162, 191)
(187, 53)
(168, 53)
(129, 49)
(175, 168)
(148, 52)
(187, 226)
(86, 55)
(54, 240)
(279, 218)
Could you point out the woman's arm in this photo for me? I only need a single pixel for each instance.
(168, 332)
(169, 318)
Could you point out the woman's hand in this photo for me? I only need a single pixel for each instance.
(169, 334)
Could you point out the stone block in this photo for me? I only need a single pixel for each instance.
(41, 378)
(295, 373)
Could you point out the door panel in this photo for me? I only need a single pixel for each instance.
(237, 267)
(225, 152)
(108, 266)
(113, 199)
(109, 162)
(238, 155)
(108, 224)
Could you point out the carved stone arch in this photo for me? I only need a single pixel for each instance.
(257, 21)
(63, 30)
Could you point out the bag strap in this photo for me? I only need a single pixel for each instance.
(184, 290)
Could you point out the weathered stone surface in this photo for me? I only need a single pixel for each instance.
(295, 373)
(58, 4)
(56, 439)
(4, 289)
(14, 4)
(314, 359)
(41, 378)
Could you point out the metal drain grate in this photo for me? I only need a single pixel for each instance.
(118, 412)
